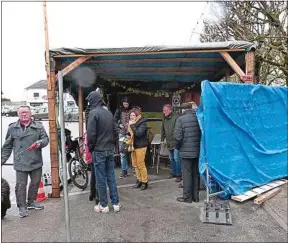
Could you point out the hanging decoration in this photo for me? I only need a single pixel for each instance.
(158, 93)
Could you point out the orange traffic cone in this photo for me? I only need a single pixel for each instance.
(41, 193)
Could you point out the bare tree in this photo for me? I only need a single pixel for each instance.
(263, 22)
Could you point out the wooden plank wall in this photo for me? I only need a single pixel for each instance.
(193, 95)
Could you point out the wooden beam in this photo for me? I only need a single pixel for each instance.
(258, 190)
(153, 60)
(250, 65)
(133, 79)
(159, 69)
(264, 197)
(47, 58)
(51, 113)
(149, 53)
(173, 73)
(232, 64)
(53, 135)
(74, 64)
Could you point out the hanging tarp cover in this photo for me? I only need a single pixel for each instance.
(244, 134)
(199, 46)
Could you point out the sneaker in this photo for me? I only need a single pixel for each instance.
(35, 205)
(117, 207)
(122, 176)
(23, 212)
(99, 209)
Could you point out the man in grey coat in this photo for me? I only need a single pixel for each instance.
(187, 134)
(27, 159)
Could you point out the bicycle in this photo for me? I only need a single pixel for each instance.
(77, 168)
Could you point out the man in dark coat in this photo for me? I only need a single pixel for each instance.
(187, 135)
(101, 138)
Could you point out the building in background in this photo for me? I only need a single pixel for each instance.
(36, 96)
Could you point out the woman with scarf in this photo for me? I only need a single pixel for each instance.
(138, 142)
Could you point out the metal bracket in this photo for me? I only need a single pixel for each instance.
(215, 212)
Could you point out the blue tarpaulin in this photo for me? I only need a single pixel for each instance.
(244, 134)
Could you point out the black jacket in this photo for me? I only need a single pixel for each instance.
(101, 128)
(187, 134)
(140, 133)
(121, 117)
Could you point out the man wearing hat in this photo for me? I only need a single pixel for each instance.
(187, 134)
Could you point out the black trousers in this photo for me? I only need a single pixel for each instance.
(93, 188)
(191, 179)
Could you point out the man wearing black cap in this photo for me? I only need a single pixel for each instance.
(121, 116)
(101, 137)
(187, 134)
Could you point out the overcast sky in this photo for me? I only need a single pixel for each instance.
(86, 25)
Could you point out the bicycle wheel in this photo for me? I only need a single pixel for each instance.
(78, 172)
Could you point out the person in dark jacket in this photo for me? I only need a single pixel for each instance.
(167, 132)
(5, 197)
(101, 138)
(187, 135)
(93, 189)
(138, 142)
(121, 116)
(27, 162)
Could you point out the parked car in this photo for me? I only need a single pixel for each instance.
(9, 112)
(71, 114)
(5, 110)
(40, 114)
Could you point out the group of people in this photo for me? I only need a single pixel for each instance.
(126, 129)
(181, 134)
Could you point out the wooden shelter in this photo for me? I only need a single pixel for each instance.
(153, 72)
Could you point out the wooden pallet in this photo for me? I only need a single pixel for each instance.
(258, 190)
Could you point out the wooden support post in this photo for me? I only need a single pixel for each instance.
(250, 66)
(227, 75)
(232, 64)
(81, 109)
(53, 134)
(51, 113)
